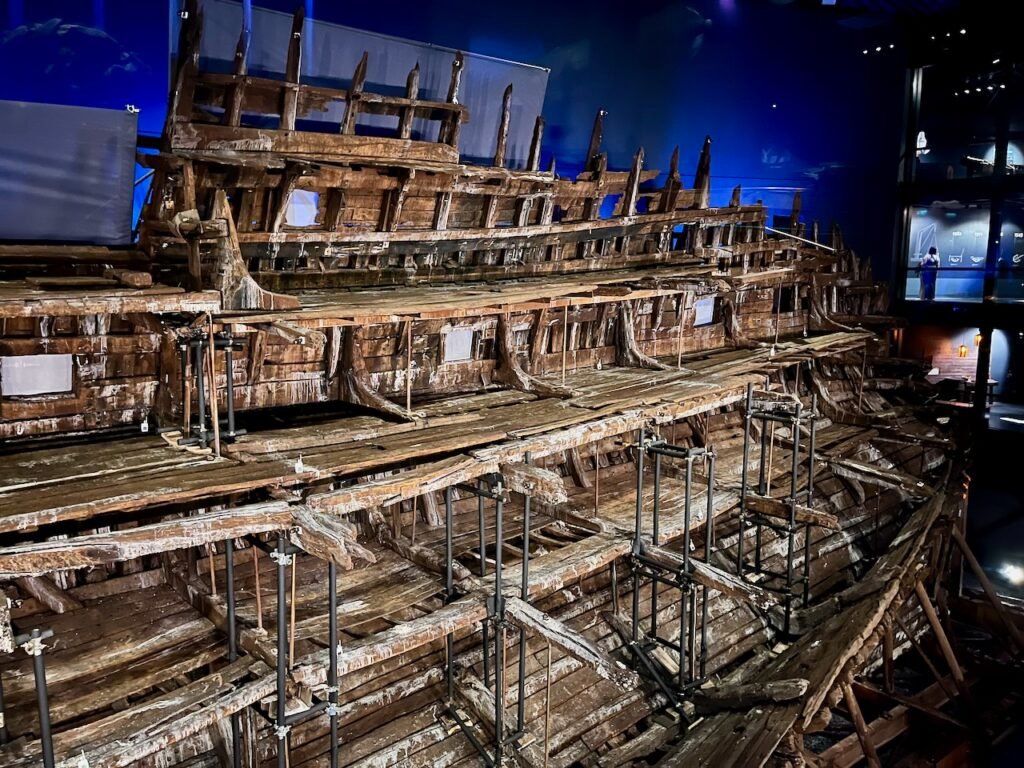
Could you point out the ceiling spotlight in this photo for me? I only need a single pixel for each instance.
(775, 106)
(968, 90)
(891, 46)
(865, 51)
(963, 31)
(1003, 86)
(989, 87)
(878, 49)
(933, 37)
(996, 61)
(977, 90)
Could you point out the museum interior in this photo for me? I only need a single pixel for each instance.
(551, 384)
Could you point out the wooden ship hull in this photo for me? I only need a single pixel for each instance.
(462, 471)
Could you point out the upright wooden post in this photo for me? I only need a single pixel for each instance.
(501, 145)
(858, 722)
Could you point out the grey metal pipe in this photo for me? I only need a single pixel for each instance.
(332, 667)
(42, 698)
(229, 597)
(282, 654)
(654, 539)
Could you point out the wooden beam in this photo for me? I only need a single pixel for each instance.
(858, 722)
(327, 537)
(711, 577)
(524, 615)
(542, 485)
(779, 508)
(746, 695)
(48, 593)
(115, 546)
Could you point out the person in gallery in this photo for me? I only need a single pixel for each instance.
(929, 269)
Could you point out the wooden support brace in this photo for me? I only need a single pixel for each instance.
(524, 615)
(858, 722)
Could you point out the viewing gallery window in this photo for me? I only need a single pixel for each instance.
(958, 233)
(30, 375)
(458, 345)
(1010, 264)
(705, 311)
(956, 139)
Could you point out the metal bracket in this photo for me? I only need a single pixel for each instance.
(332, 710)
(34, 646)
(281, 558)
(281, 731)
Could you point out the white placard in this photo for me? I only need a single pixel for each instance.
(35, 375)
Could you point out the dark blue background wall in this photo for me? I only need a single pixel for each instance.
(785, 91)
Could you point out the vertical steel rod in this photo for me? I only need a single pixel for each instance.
(3, 713)
(709, 540)
(229, 596)
(229, 368)
(743, 478)
(39, 669)
(524, 591)
(499, 631)
(197, 348)
(332, 667)
(655, 541)
(638, 527)
(282, 654)
(791, 543)
(449, 592)
(483, 572)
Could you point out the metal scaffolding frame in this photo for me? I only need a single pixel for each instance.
(194, 353)
(775, 408)
(692, 659)
(489, 488)
(32, 644)
(284, 556)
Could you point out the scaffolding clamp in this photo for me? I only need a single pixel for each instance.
(281, 731)
(281, 558)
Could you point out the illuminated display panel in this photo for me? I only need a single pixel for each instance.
(959, 233)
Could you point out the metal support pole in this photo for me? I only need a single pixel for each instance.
(231, 390)
(448, 593)
(229, 596)
(332, 667)
(743, 478)
(791, 538)
(524, 591)
(483, 572)
(499, 631)
(812, 443)
(687, 505)
(638, 527)
(684, 623)
(282, 728)
(762, 489)
(185, 394)
(3, 714)
(709, 539)
(34, 647)
(197, 350)
(655, 540)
